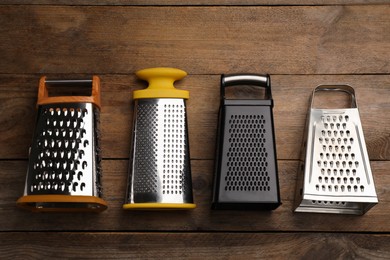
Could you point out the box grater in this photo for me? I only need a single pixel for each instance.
(159, 170)
(335, 174)
(246, 174)
(64, 171)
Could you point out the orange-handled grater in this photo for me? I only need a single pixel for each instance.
(64, 169)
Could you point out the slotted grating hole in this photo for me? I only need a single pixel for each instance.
(173, 181)
(336, 158)
(329, 203)
(145, 181)
(247, 156)
(58, 151)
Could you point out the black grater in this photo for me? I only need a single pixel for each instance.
(246, 174)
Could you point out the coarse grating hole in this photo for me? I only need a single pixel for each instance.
(336, 157)
(57, 154)
(247, 157)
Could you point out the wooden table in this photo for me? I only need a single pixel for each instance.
(301, 44)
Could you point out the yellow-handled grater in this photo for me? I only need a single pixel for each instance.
(159, 170)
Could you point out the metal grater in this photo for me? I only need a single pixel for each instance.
(246, 168)
(64, 171)
(335, 176)
(159, 171)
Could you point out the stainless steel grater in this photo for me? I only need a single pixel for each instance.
(335, 174)
(64, 170)
(159, 170)
(246, 174)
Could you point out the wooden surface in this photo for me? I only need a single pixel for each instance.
(300, 45)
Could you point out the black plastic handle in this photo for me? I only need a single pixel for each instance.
(246, 79)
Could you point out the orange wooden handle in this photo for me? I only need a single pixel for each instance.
(43, 95)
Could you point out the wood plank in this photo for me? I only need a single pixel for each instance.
(192, 3)
(194, 245)
(279, 40)
(12, 177)
(291, 94)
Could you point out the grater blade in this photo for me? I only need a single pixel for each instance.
(160, 170)
(336, 176)
(62, 155)
(246, 168)
(64, 171)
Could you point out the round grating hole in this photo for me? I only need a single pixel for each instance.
(174, 149)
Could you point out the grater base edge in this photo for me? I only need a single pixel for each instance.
(159, 206)
(63, 203)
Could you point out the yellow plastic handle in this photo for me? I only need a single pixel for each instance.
(161, 83)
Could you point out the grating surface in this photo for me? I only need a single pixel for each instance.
(146, 156)
(339, 174)
(339, 167)
(247, 166)
(174, 149)
(62, 155)
(161, 168)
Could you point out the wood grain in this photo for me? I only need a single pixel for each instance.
(18, 95)
(300, 43)
(12, 174)
(192, 3)
(194, 245)
(277, 40)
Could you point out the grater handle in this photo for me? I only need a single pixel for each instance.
(161, 81)
(228, 80)
(44, 98)
(342, 88)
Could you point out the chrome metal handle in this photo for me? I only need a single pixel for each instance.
(341, 88)
(78, 82)
(246, 79)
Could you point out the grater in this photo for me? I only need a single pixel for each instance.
(335, 174)
(64, 169)
(159, 170)
(246, 174)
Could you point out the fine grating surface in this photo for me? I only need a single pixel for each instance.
(174, 149)
(160, 168)
(145, 180)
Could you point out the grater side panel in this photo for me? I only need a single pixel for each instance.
(160, 165)
(247, 160)
(337, 162)
(62, 157)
